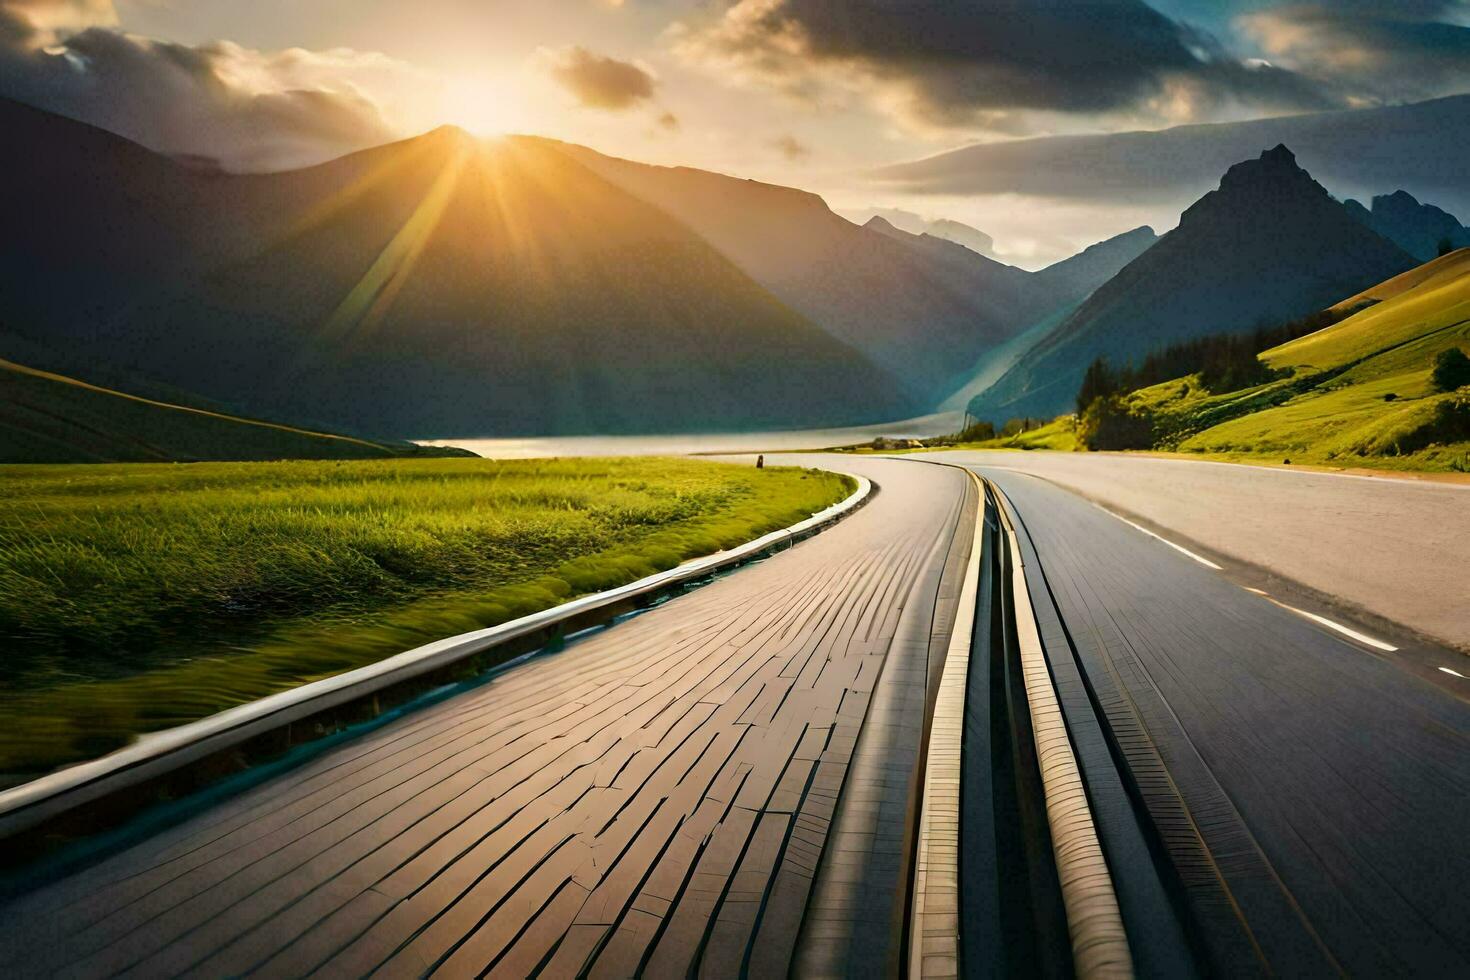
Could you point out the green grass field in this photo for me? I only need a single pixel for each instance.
(1356, 394)
(135, 597)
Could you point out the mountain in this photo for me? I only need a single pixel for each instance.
(1073, 279)
(1268, 245)
(1058, 289)
(962, 234)
(1421, 146)
(953, 231)
(1422, 230)
(440, 286)
(921, 307)
(50, 418)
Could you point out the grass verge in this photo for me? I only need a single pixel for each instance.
(135, 597)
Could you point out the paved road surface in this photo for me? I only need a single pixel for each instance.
(1396, 548)
(659, 793)
(1314, 797)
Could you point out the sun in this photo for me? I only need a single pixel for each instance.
(479, 105)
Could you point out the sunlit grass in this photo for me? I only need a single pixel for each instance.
(136, 597)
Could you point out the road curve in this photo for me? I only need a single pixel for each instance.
(657, 796)
(1312, 797)
(1399, 549)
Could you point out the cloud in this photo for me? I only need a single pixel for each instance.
(248, 109)
(1372, 52)
(791, 148)
(1162, 171)
(597, 81)
(986, 63)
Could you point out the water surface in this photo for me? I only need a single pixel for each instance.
(685, 444)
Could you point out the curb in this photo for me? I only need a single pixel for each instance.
(1099, 940)
(934, 935)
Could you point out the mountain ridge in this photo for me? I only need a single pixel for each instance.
(1419, 228)
(1268, 244)
(440, 286)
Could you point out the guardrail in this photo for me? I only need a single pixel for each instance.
(94, 795)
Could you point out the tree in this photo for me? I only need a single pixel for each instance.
(1100, 381)
(1451, 370)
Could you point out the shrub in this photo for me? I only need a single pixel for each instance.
(1451, 370)
(1110, 423)
(1449, 424)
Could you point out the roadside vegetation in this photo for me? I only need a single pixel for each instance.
(1383, 386)
(1058, 434)
(135, 597)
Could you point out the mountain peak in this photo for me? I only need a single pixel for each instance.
(1399, 198)
(1274, 165)
(1419, 228)
(1279, 154)
(1266, 188)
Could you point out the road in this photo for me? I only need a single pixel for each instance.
(1398, 549)
(1313, 797)
(724, 784)
(662, 795)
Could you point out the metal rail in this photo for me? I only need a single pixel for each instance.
(103, 792)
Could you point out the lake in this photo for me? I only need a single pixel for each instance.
(685, 444)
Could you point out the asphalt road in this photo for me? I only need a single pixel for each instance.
(723, 783)
(1313, 798)
(1398, 549)
(666, 794)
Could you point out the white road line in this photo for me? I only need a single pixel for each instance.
(1323, 620)
(1388, 476)
(1360, 637)
(1455, 672)
(1179, 548)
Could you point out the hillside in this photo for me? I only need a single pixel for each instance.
(50, 418)
(1072, 279)
(1357, 393)
(1059, 288)
(1267, 246)
(922, 307)
(440, 286)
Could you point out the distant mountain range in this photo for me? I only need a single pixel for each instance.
(1268, 245)
(950, 230)
(1422, 230)
(435, 287)
(449, 287)
(921, 307)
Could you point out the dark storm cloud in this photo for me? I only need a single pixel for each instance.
(1346, 150)
(1410, 49)
(955, 62)
(241, 107)
(600, 82)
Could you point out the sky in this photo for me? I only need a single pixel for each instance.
(813, 93)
